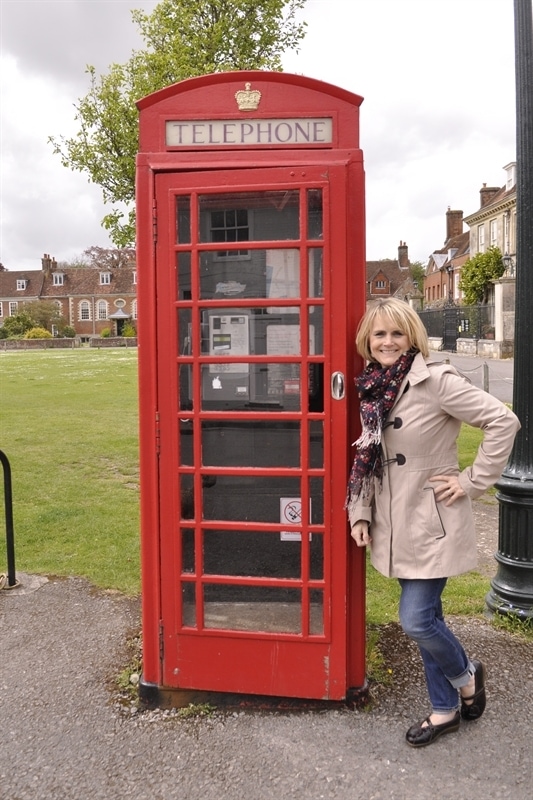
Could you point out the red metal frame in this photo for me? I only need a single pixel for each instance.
(292, 665)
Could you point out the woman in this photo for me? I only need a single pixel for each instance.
(409, 501)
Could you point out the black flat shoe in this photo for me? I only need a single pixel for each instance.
(476, 708)
(419, 735)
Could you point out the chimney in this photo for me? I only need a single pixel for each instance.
(403, 256)
(486, 193)
(48, 263)
(454, 224)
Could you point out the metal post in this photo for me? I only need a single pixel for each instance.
(10, 537)
(512, 589)
(486, 386)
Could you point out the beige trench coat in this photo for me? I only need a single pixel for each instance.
(413, 536)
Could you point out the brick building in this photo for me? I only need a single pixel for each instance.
(89, 299)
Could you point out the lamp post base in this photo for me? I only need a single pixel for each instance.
(512, 588)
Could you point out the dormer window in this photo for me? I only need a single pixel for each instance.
(21, 285)
(58, 279)
(105, 278)
(510, 170)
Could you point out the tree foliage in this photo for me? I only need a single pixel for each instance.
(184, 38)
(37, 314)
(16, 326)
(417, 271)
(478, 273)
(110, 258)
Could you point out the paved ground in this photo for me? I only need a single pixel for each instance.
(65, 734)
(493, 374)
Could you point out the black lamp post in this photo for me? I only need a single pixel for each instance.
(512, 589)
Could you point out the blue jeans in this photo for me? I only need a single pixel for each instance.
(446, 665)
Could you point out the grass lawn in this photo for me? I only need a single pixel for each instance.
(68, 424)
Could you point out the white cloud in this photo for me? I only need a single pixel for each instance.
(437, 119)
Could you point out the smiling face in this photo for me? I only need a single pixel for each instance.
(387, 343)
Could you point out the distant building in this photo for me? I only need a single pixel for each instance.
(441, 285)
(90, 299)
(390, 277)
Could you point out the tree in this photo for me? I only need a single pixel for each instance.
(184, 38)
(417, 271)
(110, 258)
(45, 314)
(478, 273)
(16, 326)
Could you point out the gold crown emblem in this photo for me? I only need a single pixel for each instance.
(248, 99)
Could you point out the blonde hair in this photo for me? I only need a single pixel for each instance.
(401, 315)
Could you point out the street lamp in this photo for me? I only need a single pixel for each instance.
(449, 270)
(511, 590)
(508, 263)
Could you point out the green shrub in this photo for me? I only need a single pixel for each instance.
(105, 333)
(37, 333)
(128, 331)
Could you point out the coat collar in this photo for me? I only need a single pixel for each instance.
(419, 370)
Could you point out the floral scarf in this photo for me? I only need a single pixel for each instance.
(378, 389)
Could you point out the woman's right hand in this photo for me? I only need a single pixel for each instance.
(360, 533)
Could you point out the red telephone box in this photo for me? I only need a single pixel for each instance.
(251, 279)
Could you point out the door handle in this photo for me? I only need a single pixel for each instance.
(337, 385)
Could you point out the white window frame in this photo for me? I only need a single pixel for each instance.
(105, 278)
(84, 307)
(481, 238)
(134, 309)
(21, 284)
(493, 232)
(58, 279)
(13, 308)
(102, 308)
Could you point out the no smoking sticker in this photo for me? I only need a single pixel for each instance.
(290, 513)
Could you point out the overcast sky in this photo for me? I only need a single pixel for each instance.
(437, 121)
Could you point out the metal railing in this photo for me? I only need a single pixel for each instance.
(459, 322)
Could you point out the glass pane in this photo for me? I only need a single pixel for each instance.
(184, 332)
(185, 387)
(183, 219)
(253, 608)
(187, 550)
(316, 557)
(316, 388)
(273, 273)
(251, 444)
(251, 387)
(316, 272)
(316, 491)
(242, 498)
(316, 330)
(188, 607)
(186, 456)
(314, 214)
(251, 554)
(183, 269)
(186, 483)
(249, 216)
(316, 612)
(316, 444)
